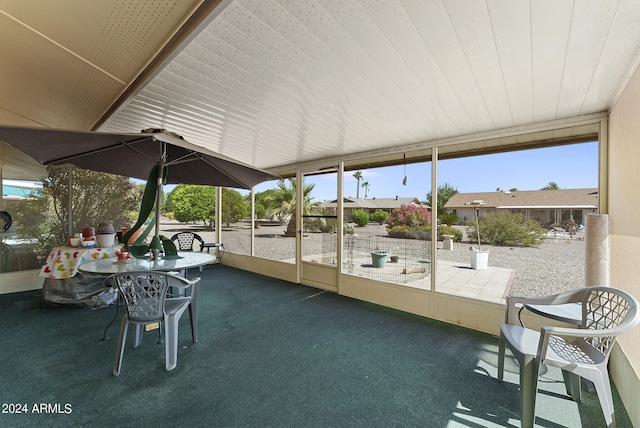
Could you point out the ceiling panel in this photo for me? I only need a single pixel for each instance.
(549, 51)
(64, 63)
(48, 84)
(53, 20)
(436, 28)
(10, 117)
(280, 82)
(116, 36)
(619, 58)
(473, 28)
(290, 81)
(585, 48)
(397, 26)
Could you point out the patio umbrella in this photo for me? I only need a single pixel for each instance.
(134, 155)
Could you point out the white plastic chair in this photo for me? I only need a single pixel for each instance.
(180, 286)
(145, 296)
(580, 352)
(185, 241)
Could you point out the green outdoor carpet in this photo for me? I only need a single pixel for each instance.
(270, 354)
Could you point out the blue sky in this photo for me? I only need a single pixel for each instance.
(571, 167)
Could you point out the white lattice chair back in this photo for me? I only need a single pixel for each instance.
(143, 294)
(605, 308)
(185, 240)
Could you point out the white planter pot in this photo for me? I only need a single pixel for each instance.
(479, 259)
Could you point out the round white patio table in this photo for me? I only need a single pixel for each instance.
(109, 266)
(187, 260)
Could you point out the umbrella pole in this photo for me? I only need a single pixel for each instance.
(159, 200)
(156, 236)
(70, 201)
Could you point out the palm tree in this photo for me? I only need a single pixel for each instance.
(551, 186)
(285, 198)
(365, 185)
(358, 176)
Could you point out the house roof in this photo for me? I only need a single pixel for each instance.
(374, 203)
(542, 199)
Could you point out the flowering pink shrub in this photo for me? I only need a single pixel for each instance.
(409, 215)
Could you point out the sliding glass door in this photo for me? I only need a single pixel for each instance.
(318, 236)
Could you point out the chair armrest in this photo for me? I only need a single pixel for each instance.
(181, 282)
(199, 239)
(514, 303)
(566, 332)
(580, 332)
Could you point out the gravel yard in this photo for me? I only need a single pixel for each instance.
(557, 265)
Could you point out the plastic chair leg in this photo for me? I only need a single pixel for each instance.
(138, 337)
(120, 351)
(528, 391)
(115, 317)
(572, 383)
(501, 359)
(603, 389)
(171, 341)
(193, 311)
(193, 319)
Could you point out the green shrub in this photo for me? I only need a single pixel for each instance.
(314, 225)
(449, 218)
(420, 233)
(508, 229)
(379, 216)
(398, 232)
(320, 225)
(406, 232)
(360, 218)
(330, 225)
(423, 233)
(448, 230)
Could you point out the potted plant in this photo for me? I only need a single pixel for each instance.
(394, 258)
(479, 258)
(378, 258)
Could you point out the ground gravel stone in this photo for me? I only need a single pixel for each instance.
(557, 265)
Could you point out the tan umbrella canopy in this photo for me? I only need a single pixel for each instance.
(134, 155)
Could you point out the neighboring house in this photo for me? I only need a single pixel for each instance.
(546, 206)
(18, 190)
(372, 205)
